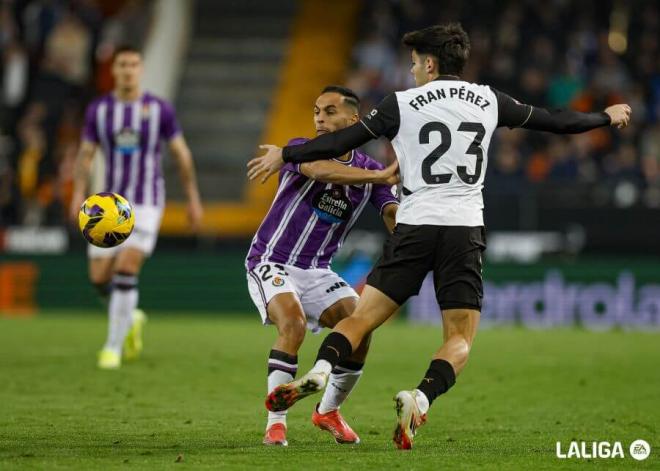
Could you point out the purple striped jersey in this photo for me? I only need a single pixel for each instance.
(130, 135)
(309, 220)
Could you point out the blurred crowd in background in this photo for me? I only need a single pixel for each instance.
(54, 57)
(585, 55)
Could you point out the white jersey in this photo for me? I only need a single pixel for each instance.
(443, 130)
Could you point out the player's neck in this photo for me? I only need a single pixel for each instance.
(129, 94)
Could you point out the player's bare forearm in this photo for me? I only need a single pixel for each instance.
(81, 175)
(184, 161)
(389, 216)
(335, 172)
(83, 166)
(189, 180)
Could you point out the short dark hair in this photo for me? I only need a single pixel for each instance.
(124, 48)
(349, 95)
(449, 43)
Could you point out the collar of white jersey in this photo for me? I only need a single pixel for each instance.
(446, 77)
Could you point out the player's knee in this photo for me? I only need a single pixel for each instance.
(293, 329)
(129, 261)
(99, 278)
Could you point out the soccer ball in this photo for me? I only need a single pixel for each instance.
(106, 219)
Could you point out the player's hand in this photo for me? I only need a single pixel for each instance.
(195, 214)
(269, 163)
(619, 115)
(74, 208)
(390, 175)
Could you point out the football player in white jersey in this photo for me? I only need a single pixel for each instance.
(440, 131)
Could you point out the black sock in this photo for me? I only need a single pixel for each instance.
(279, 360)
(334, 349)
(438, 379)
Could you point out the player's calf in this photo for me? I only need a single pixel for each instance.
(291, 333)
(123, 301)
(103, 290)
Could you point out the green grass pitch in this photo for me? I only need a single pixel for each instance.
(195, 400)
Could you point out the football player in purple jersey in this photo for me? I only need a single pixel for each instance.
(288, 264)
(127, 126)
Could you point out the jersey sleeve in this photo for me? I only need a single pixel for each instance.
(381, 195)
(384, 119)
(290, 166)
(513, 114)
(169, 126)
(90, 131)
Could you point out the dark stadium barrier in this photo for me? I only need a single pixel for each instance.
(594, 292)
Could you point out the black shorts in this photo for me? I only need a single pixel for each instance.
(452, 253)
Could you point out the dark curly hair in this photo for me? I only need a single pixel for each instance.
(449, 43)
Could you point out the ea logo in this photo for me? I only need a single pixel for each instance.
(640, 450)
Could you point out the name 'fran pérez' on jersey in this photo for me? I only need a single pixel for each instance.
(440, 133)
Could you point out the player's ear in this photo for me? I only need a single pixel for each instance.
(429, 64)
(353, 119)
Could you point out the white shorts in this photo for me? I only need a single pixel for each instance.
(316, 288)
(143, 237)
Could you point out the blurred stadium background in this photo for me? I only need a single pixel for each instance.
(574, 226)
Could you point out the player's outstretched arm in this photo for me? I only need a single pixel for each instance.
(573, 122)
(333, 172)
(184, 160)
(81, 177)
(326, 146)
(513, 114)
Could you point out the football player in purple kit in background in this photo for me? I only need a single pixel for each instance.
(288, 264)
(128, 125)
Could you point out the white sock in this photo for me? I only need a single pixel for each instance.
(276, 378)
(278, 362)
(322, 366)
(340, 385)
(422, 401)
(123, 301)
